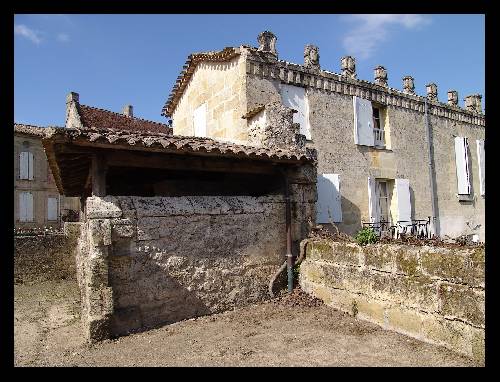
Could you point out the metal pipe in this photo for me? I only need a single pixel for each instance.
(435, 218)
(288, 225)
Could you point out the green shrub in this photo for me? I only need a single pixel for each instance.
(366, 236)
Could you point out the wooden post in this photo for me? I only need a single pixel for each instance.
(98, 175)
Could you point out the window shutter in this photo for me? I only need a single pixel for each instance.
(200, 121)
(480, 161)
(329, 204)
(52, 209)
(363, 122)
(22, 206)
(462, 165)
(295, 98)
(25, 206)
(402, 187)
(29, 206)
(372, 201)
(23, 165)
(30, 166)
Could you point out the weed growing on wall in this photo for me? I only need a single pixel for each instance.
(366, 236)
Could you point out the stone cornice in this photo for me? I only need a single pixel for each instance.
(299, 75)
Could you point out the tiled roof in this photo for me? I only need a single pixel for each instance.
(188, 69)
(92, 117)
(29, 130)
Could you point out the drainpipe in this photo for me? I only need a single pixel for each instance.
(288, 226)
(435, 218)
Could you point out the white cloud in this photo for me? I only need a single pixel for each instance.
(63, 37)
(22, 30)
(371, 30)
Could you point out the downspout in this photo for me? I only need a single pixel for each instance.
(435, 218)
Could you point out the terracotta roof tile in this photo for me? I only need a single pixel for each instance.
(92, 117)
(29, 130)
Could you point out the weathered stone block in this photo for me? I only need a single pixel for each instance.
(97, 329)
(148, 228)
(314, 272)
(150, 206)
(462, 302)
(127, 207)
(100, 232)
(102, 207)
(454, 335)
(125, 320)
(208, 205)
(445, 263)
(73, 229)
(379, 257)
(371, 310)
(100, 301)
(478, 344)
(476, 258)
(404, 320)
(407, 261)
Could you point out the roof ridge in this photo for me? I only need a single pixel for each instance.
(122, 115)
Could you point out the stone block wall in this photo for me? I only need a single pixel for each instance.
(433, 294)
(42, 258)
(145, 261)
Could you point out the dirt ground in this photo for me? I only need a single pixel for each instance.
(291, 330)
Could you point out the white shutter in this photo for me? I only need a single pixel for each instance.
(30, 166)
(372, 201)
(295, 97)
(23, 165)
(52, 209)
(363, 122)
(25, 206)
(328, 205)
(200, 121)
(402, 188)
(480, 161)
(462, 165)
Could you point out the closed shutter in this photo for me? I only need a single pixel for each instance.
(462, 165)
(30, 166)
(23, 165)
(363, 122)
(52, 209)
(25, 207)
(372, 201)
(329, 204)
(200, 121)
(295, 97)
(402, 188)
(480, 161)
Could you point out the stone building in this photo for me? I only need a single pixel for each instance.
(384, 155)
(174, 227)
(37, 202)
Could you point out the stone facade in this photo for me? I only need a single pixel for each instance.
(147, 261)
(433, 294)
(330, 114)
(42, 186)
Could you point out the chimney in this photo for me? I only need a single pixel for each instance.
(408, 85)
(432, 92)
(473, 103)
(452, 97)
(128, 110)
(348, 66)
(73, 120)
(73, 97)
(267, 43)
(380, 74)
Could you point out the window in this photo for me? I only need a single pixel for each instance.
(389, 200)
(52, 209)
(383, 200)
(295, 97)
(462, 165)
(369, 123)
(480, 161)
(200, 121)
(328, 206)
(25, 207)
(26, 165)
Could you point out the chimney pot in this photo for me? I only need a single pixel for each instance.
(72, 97)
(128, 110)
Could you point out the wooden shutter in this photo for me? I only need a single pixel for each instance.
(329, 204)
(200, 121)
(480, 161)
(25, 206)
(23, 165)
(52, 209)
(402, 188)
(372, 201)
(363, 122)
(295, 98)
(30, 166)
(462, 165)
(22, 206)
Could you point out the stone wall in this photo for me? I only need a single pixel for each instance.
(433, 294)
(42, 258)
(149, 261)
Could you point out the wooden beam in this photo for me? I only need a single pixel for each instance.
(98, 171)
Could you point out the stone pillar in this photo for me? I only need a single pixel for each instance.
(432, 91)
(267, 43)
(311, 57)
(348, 66)
(452, 97)
(473, 103)
(408, 85)
(380, 74)
(128, 111)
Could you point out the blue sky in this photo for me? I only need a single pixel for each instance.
(113, 60)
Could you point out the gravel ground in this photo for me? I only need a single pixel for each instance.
(291, 330)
